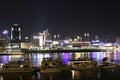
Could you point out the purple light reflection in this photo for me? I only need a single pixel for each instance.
(101, 56)
(98, 55)
(116, 56)
(94, 55)
(66, 58)
(4, 59)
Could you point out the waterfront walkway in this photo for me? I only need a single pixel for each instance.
(61, 50)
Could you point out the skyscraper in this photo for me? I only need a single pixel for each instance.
(15, 36)
(16, 33)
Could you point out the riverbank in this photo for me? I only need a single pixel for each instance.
(61, 50)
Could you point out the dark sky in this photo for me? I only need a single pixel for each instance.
(67, 17)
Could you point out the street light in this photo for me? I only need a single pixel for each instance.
(54, 37)
(79, 38)
(86, 36)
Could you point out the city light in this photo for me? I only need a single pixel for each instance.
(5, 32)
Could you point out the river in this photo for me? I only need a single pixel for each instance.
(36, 59)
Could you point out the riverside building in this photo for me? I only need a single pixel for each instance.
(15, 36)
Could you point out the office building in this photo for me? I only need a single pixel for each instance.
(15, 36)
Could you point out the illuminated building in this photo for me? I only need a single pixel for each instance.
(81, 43)
(37, 40)
(118, 40)
(95, 43)
(16, 33)
(40, 40)
(15, 36)
(4, 41)
(47, 37)
(25, 45)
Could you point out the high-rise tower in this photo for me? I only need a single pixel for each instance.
(15, 36)
(16, 33)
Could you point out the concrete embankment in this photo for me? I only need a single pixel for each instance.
(62, 50)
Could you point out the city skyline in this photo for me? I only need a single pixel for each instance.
(68, 18)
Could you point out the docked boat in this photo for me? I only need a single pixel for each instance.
(52, 66)
(106, 64)
(83, 64)
(17, 67)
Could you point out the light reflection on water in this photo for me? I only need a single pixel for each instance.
(36, 59)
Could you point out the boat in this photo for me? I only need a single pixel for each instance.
(52, 66)
(106, 64)
(17, 67)
(83, 64)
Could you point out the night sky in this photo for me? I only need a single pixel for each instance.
(66, 17)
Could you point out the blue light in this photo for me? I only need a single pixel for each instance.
(5, 32)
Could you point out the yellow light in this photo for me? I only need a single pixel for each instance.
(26, 37)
